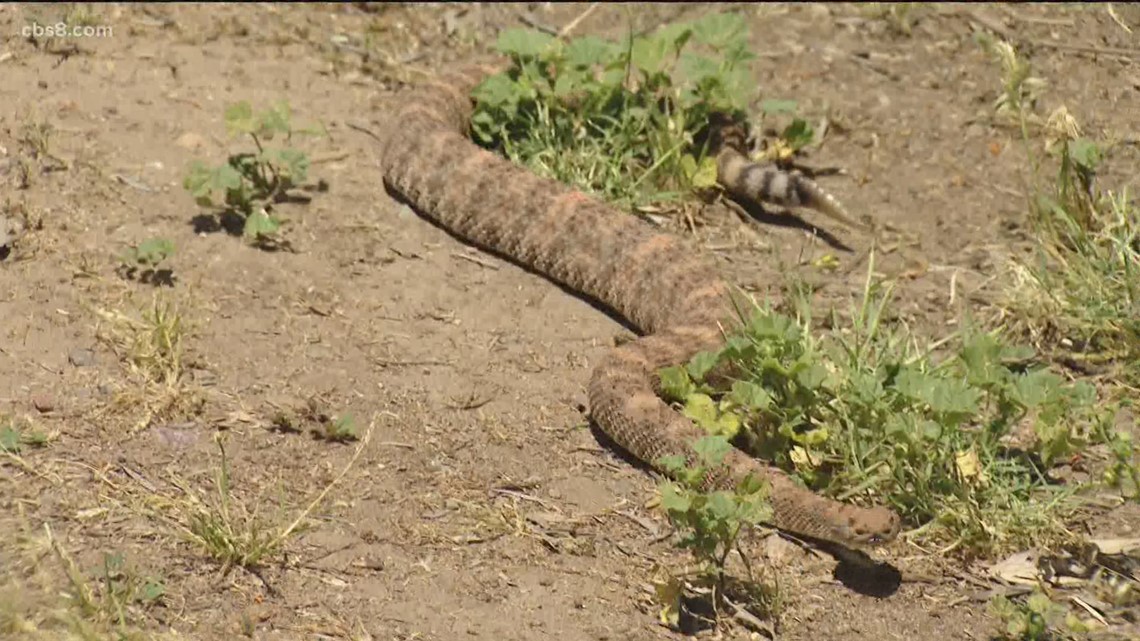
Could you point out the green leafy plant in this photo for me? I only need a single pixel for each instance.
(338, 429)
(961, 445)
(251, 182)
(143, 260)
(14, 438)
(710, 523)
(624, 119)
(1038, 618)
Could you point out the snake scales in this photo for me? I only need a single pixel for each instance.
(672, 294)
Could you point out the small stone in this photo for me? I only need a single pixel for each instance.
(191, 140)
(43, 403)
(81, 357)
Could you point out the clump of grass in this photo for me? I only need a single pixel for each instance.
(623, 119)
(1078, 294)
(107, 603)
(961, 446)
(236, 536)
(151, 343)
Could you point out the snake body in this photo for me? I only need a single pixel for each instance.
(672, 294)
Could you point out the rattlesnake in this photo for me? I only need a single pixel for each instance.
(652, 279)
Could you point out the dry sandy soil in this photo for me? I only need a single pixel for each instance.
(481, 491)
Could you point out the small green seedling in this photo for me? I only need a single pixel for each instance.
(710, 523)
(1037, 619)
(143, 260)
(338, 429)
(13, 439)
(250, 183)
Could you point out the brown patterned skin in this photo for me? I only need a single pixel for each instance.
(671, 293)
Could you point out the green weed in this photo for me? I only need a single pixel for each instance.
(252, 182)
(961, 446)
(1038, 618)
(15, 436)
(627, 120)
(710, 524)
(144, 259)
(338, 429)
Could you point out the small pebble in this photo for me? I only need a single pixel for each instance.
(81, 357)
(43, 403)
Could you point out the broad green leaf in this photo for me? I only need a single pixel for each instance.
(750, 395)
(1085, 153)
(702, 410)
(674, 501)
(564, 84)
(225, 177)
(720, 30)
(913, 383)
(239, 118)
(153, 251)
(696, 68)
(727, 424)
(672, 463)
(702, 176)
(198, 180)
(10, 440)
(259, 225)
(151, 591)
(675, 382)
(293, 163)
(814, 437)
(721, 505)
(275, 120)
(649, 55)
(751, 484)
(712, 449)
(588, 51)
(799, 134)
(929, 430)
(1034, 388)
(701, 364)
(524, 43)
(811, 376)
(497, 91)
(952, 396)
(774, 107)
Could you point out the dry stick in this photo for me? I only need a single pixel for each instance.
(574, 23)
(1117, 20)
(476, 260)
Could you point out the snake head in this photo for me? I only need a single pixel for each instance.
(861, 527)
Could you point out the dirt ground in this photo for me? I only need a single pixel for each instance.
(481, 491)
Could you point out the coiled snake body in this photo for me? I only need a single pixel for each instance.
(672, 294)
